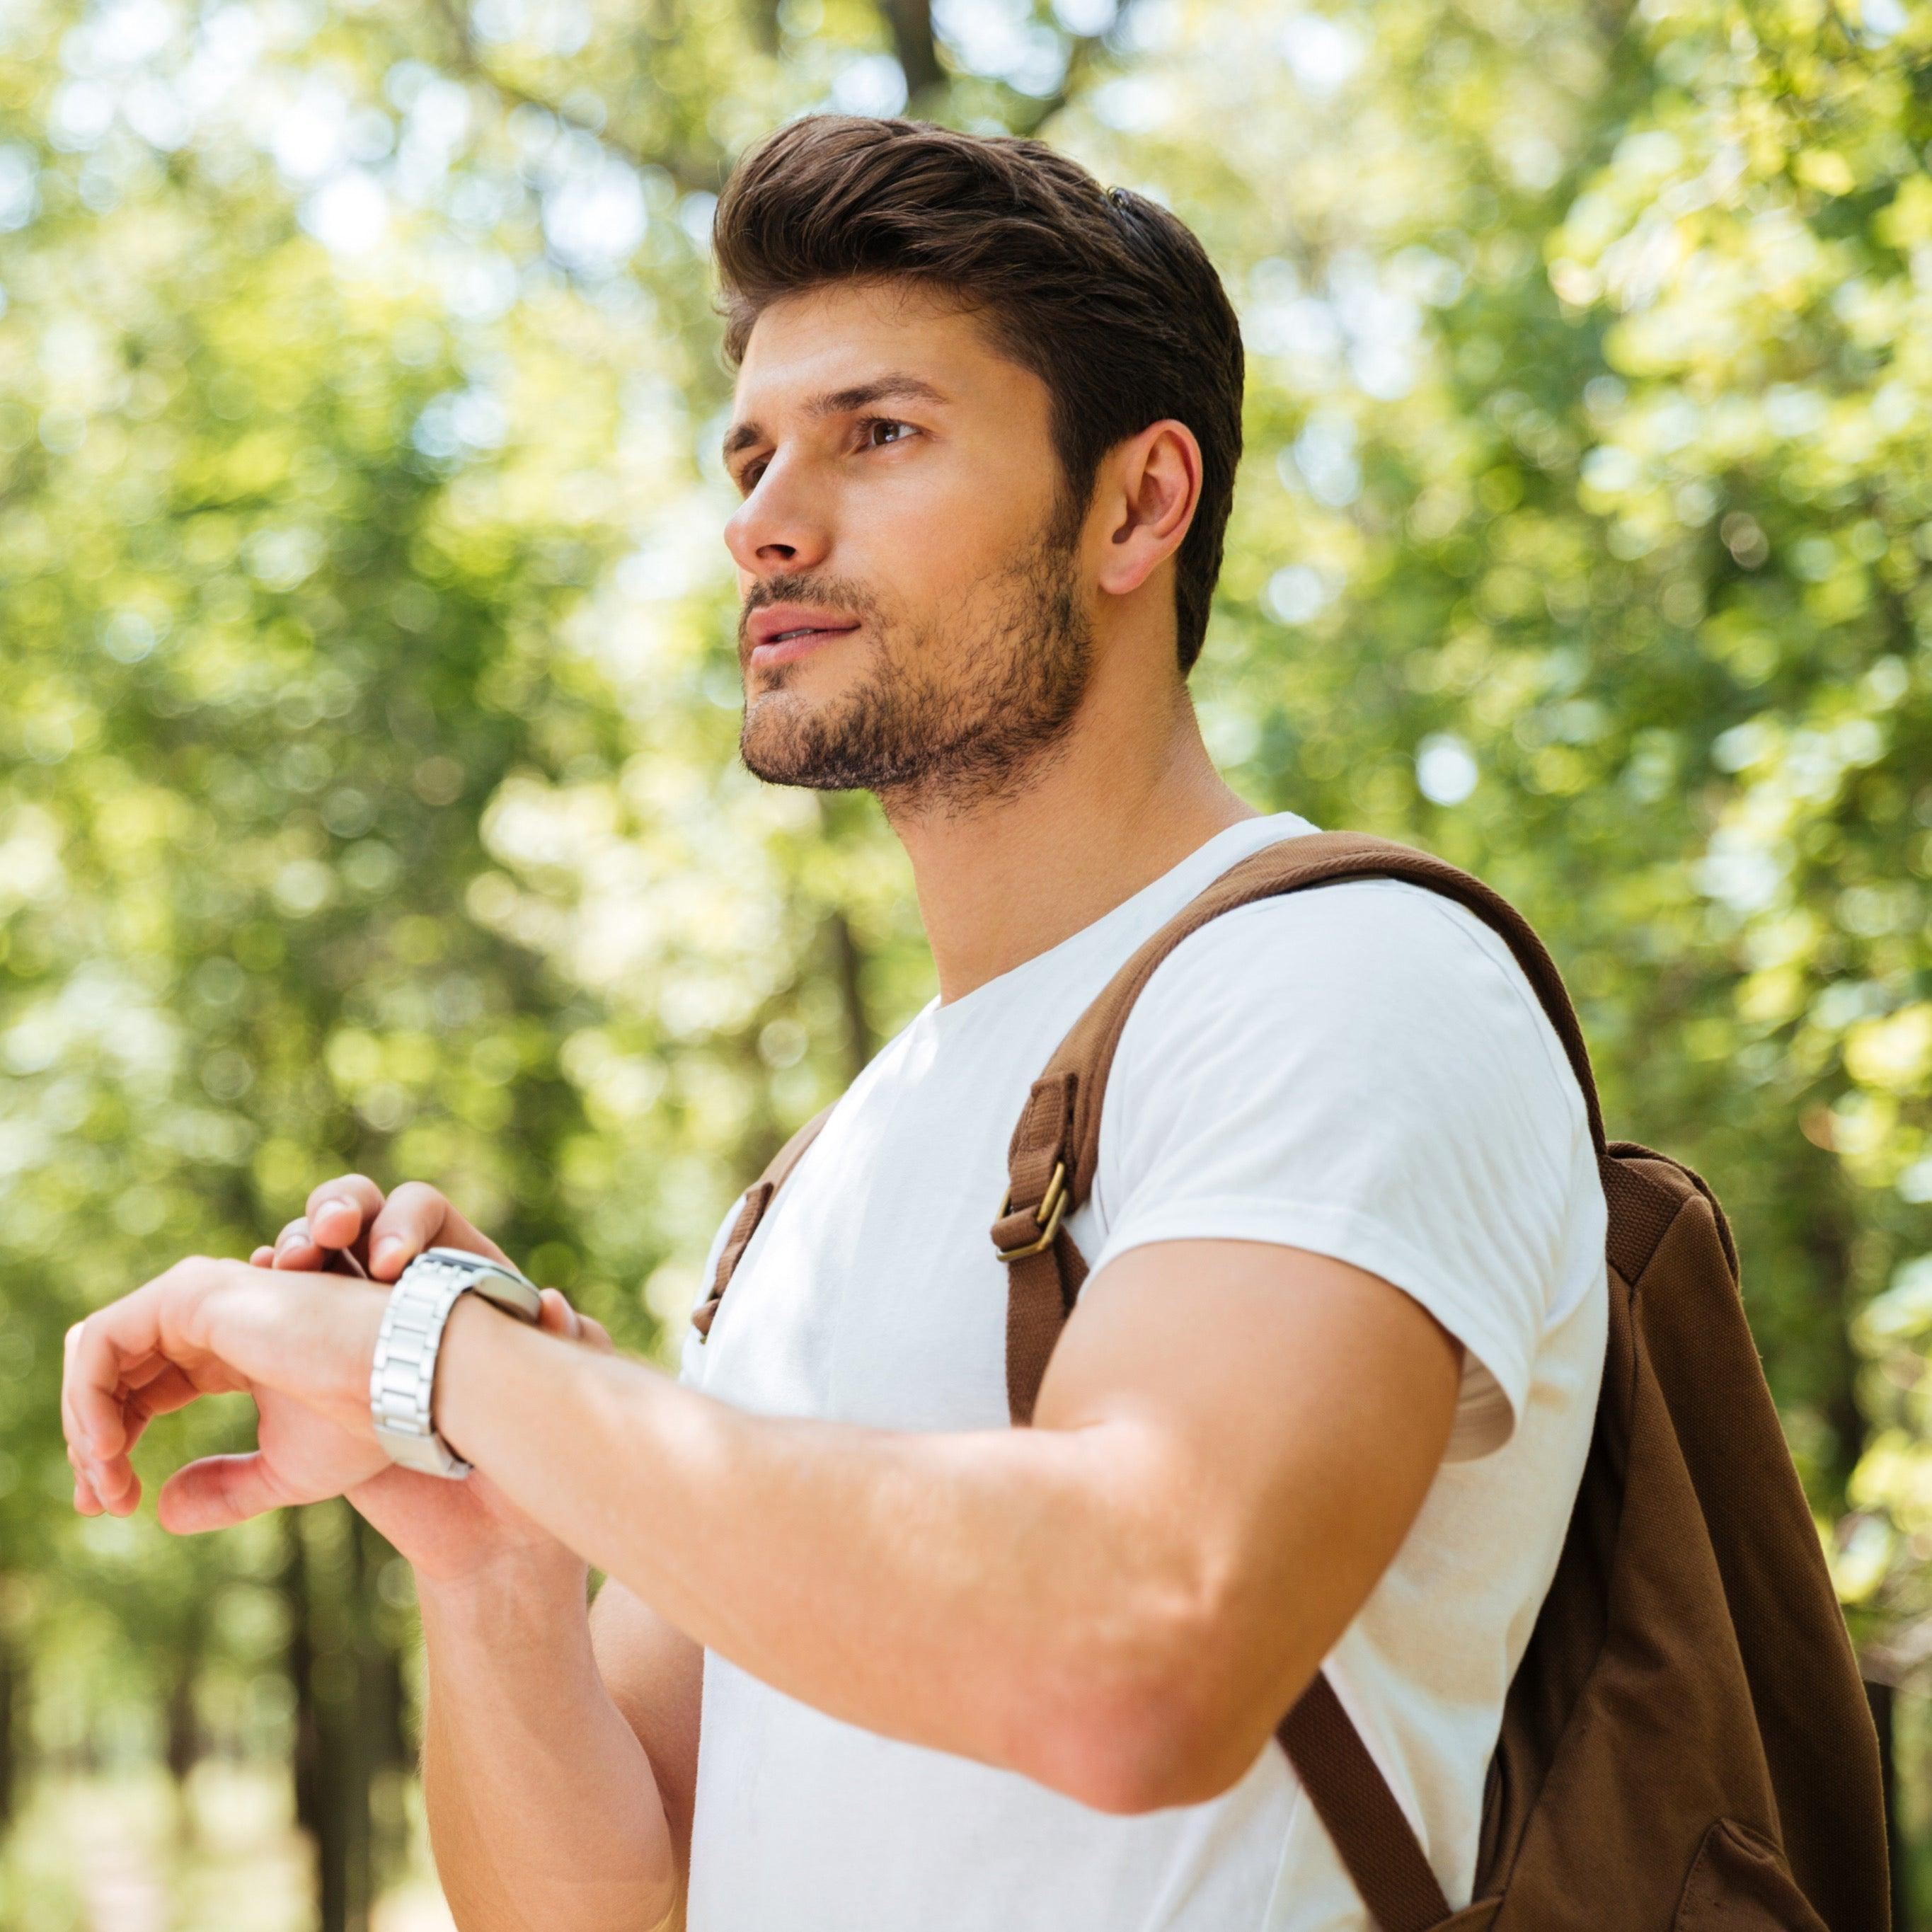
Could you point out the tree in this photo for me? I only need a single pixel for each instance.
(368, 686)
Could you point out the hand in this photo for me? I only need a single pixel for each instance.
(447, 1530)
(416, 1217)
(299, 1346)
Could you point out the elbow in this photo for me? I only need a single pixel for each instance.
(1148, 1753)
(1172, 1731)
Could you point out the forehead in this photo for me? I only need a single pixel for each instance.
(850, 333)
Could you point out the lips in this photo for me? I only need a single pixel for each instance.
(781, 632)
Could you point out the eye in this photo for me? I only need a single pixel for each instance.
(747, 477)
(874, 431)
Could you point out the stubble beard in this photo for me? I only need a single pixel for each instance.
(952, 716)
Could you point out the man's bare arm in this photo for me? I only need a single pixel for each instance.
(1230, 1443)
(556, 1755)
(504, 1611)
(656, 1676)
(1120, 1602)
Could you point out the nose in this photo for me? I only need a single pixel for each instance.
(779, 527)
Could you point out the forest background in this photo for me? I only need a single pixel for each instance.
(368, 701)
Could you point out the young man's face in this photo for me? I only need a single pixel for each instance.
(913, 619)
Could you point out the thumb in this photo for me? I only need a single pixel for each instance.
(557, 1317)
(217, 1493)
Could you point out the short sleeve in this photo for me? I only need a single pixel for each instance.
(1362, 1071)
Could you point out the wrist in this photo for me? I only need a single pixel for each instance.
(310, 1342)
(418, 1319)
(465, 1371)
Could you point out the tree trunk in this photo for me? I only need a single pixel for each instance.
(387, 1759)
(761, 18)
(183, 1746)
(322, 1580)
(848, 962)
(305, 1750)
(1828, 1239)
(183, 1743)
(1880, 1697)
(910, 22)
(12, 1675)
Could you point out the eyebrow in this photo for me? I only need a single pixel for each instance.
(842, 402)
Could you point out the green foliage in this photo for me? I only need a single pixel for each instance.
(367, 699)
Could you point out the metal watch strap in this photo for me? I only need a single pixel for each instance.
(402, 1379)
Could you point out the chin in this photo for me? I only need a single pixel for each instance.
(773, 739)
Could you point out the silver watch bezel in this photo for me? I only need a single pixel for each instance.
(511, 1291)
(402, 1374)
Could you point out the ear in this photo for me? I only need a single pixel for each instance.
(1150, 485)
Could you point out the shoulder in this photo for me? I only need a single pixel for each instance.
(1363, 1070)
(1386, 923)
(1400, 981)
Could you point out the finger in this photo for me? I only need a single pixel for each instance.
(558, 1316)
(335, 1200)
(338, 1211)
(117, 1340)
(86, 1494)
(296, 1247)
(106, 1478)
(112, 1478)
(305, 1255)
(217, 1493)
(417, 1216)
(70, 1427)
(167, 1392)
(80, 1447)
(159, 1397)
(85, 1500)
(561, 1318)
(262, 1257)
(149, 1389)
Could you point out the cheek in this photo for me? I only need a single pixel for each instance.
(929, 541)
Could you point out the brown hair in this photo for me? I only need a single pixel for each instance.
(1106, 297)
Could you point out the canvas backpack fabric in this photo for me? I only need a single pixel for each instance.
(1686, 1746)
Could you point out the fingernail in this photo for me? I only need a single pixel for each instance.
(387, 1249)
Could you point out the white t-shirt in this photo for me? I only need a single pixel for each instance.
(1360, 1070)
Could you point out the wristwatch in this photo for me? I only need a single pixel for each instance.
(402, 1379)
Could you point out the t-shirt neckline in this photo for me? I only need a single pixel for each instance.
(1233, 839)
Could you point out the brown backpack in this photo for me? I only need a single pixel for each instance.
(1686, 1744)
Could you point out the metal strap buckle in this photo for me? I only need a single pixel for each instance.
(1047, 1216)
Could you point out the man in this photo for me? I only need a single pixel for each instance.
(869, 1656)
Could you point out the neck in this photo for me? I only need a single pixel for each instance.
(1121, 799)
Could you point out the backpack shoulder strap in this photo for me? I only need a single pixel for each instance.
(1054, 1151)
(757, 1199)
(1370, 1830)
(1052, 1161)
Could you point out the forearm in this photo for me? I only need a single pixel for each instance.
(543, 1812)
(974, 1592)
(1116, 1602)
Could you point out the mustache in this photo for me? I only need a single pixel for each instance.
(839, 593)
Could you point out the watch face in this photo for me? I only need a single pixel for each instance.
(513, 1292)
(463, 1258)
